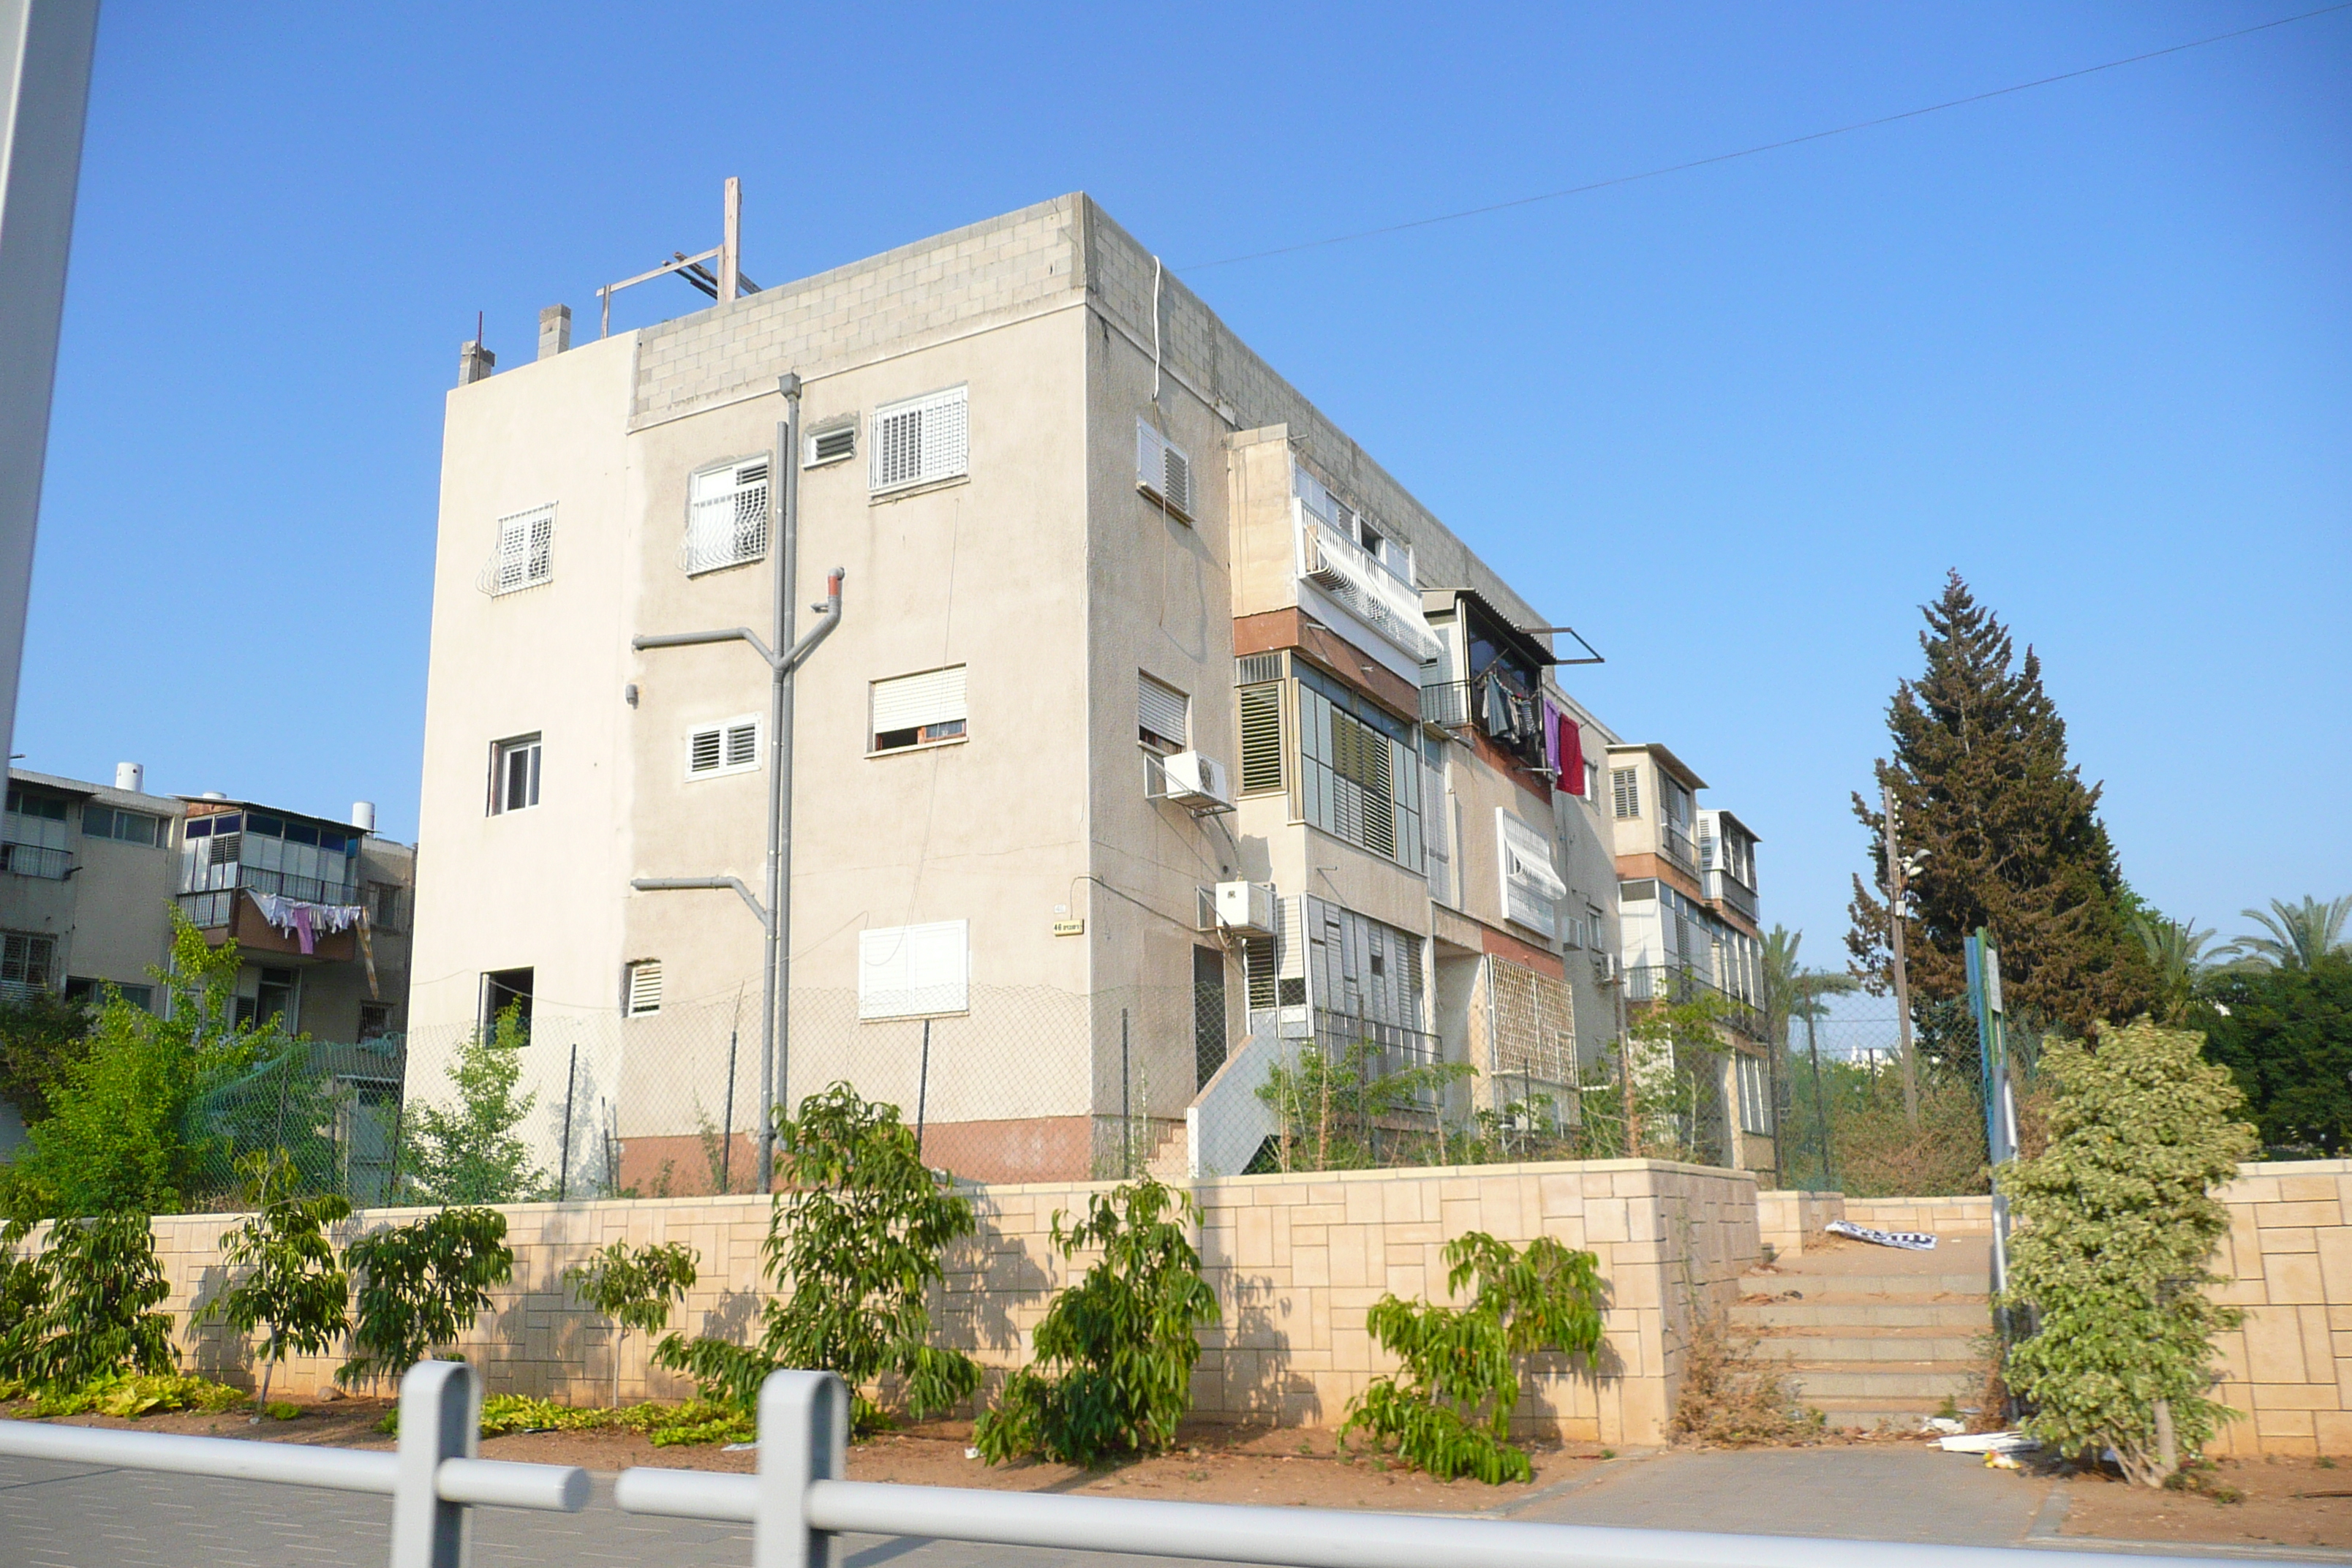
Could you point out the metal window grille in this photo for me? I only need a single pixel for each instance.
(1533, 1021)
(1253, 667)
(1163, 470)
(524, 556)
(27, 963)
(920, 440)
(726, 517)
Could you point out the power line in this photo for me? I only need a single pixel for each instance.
(1768, 146)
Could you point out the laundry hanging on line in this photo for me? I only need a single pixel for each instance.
(304, 921)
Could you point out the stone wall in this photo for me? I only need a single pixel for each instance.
(1295, 1259)
(2289, 1258)
(1968, 1216)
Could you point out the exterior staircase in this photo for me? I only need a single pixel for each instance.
(1874, 1336)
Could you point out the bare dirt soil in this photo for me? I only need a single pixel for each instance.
(1217, 1463)
(2285, 1505)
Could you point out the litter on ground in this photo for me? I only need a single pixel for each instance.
(1909, 1240)
(2011, 1442)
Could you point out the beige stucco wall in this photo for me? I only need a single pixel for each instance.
(1295, 1260)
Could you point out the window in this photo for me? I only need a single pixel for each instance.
(27, 960)
(918, 709)
(920, 440)
(1162, 471)
(1209, 1042)
(34, 832)
(524, 556)
(1627, 784)
(514, 775)
(1531, 888)
(1360, 777)
(643, 992)
(129, 827)
(383, 906)
(502, 989)
(273, 1001)
(375, 1020)
(1164, 719)
(1591, 783)
(829, 443)
(732, 747)
(1755, 1096)
(726, 517)
(1261, 738)
(913, 972)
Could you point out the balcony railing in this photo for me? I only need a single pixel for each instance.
(1726, 890)
(37, 860)
(1512, 721)
(1368, 590)
(1673, 984)
(1675, 844)
(209, 909)
(1387, 1048)
(1446, 705)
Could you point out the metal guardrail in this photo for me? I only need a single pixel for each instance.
(432, 1478)
(36, 860)
(800, 1500)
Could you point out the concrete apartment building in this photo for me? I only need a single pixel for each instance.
(1163, 731)
(91, 873)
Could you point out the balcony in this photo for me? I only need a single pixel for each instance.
(1387, 1049)
(1674, 983)
(1511, 720)
(213, 907)
(1674, 846)
(37, 860)
(1726, 890)
(1363, 587)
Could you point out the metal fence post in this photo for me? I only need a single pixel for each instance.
(804, 1437)
(440, 1419)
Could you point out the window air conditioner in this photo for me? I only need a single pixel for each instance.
(1196, 780)
(1246, 907)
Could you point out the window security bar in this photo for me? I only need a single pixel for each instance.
(432, 1478)
(798, 1502)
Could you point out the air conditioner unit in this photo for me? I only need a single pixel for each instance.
(1246, 907)
(1196, 780)
(1604, 964)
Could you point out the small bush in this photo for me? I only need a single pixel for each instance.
(635, 1286)
(1449, 1410)
(1125, 1339)
(668, 1425)
(127, 1397)
(290, 1284)
(281, 1410)
(1731, 1398)
(421, 1285)
(85, 1307)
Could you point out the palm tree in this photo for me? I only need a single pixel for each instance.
(2300, 934)
(2176, 950)
(1793, 992)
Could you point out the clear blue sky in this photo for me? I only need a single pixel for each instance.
(2091, 344)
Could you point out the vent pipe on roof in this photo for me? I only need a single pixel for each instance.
(130, 776)
(363, 815)
(554, 331)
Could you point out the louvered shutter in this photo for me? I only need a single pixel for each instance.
(703, 750)
(644, 986)
(912, 701)
(922, 439)
(1261, 738)
(727, 517)
(1163, 469)
(743, 745)
(1162, 712)
(1628, 786)
(906, 971)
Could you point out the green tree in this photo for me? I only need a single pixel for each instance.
(857, 1238)
(1342, 1112)
(2116, 1223)
(1794, 993)
(2004, 833)
(2295, 936)
(467, 1153)
(2177, 955)
(1122, 1342)
(2285, 1035)
(421, 1285)
(636, 1287)
(87, 1305)
(41, 1036)
(118, 1138)
(289, 1284)
(1448, 1409)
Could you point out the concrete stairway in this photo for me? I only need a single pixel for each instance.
(1874, 1334)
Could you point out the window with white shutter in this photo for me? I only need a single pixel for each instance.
(1162, 715)
(920, 440)
(644, 987)
(1627, 784)
(1531, 888)
(1163, 470)
(914, 971)
(726, 517)
(918, 709)
(524, 556)
(731, 747)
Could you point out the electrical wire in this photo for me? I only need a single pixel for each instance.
(1768, 146)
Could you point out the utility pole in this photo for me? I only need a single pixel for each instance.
(1895, 899)
(783, 656)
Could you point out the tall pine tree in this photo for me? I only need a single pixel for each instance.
(2011, 838)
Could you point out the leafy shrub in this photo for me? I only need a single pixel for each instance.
(281, 1410)
(467, 1153)
(859, 1243)
(2116, 1223)
(127, 1396)
(421, 1285)
(1449, 1409)
(86, 1306)
(668, 1425)
(1342, 1113)
(1124, 1338)
(41, 1036)
(635, 1286)
(291, 1286)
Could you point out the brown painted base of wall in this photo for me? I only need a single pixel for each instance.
(1030, 1149)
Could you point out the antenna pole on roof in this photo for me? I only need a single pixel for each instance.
(477, 329)
(730, 243)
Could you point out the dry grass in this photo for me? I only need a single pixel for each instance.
(1731, 1396)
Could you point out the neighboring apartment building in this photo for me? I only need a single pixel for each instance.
(1686, 892)
(90, 875)
(1162, 731)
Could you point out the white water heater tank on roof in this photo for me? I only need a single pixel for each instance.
(1246, 909)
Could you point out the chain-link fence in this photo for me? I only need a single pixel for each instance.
(333, 1110)
(1846, 1122)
